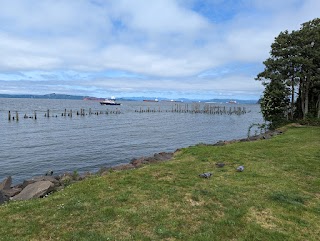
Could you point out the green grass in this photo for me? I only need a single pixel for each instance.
(277, 197)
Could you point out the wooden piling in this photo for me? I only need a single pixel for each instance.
(9, 115)
(17, 116)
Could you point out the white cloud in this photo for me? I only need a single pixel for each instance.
(163, 39)
(159, 17)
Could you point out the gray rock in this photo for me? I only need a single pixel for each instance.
(12, 191)
(240, 168)
(205, 175)
(219, 143)
(123, 167)
(6, 183)
(40, 178)
(46, 178)
(220, 164)
(49, 173)
(3, 198)
(139, 162)
(35, 190)
(163, 156)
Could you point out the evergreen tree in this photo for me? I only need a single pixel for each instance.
(293, 68)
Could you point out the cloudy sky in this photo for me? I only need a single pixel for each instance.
(159, 48)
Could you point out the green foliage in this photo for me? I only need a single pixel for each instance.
(75, 175)
(293, 67)
(261, 127)
(274, 103)
(310, 121)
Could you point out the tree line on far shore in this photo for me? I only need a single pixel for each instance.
(292, 76)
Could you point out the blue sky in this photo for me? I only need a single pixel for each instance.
(160, 48)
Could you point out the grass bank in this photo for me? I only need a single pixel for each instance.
(277, 197)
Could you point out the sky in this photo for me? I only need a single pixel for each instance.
(200, 49)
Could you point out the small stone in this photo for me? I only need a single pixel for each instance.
(49, 173)
(220, 164)
(205, 175)
(240, 168)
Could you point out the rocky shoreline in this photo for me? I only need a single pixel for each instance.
(41, 186)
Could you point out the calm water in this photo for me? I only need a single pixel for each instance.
(30, 147)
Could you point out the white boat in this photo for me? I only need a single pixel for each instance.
(109, 102)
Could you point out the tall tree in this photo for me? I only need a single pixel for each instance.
(294, 65)
(309, 44)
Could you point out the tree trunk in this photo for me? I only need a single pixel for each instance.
(318, 103)
(292, 98)
(302, 97)
(306, 102)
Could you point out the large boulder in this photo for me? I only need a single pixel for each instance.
(6, 183)
(38, 179)
(3, 198)
(46, 178)
(35, 190)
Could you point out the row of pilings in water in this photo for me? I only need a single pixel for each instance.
(66, 113)
(177, 108)
(197, 109)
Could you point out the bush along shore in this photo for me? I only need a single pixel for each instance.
(42, 186)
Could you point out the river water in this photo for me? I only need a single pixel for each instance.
(30, 147)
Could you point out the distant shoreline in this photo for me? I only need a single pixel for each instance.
(55, 96)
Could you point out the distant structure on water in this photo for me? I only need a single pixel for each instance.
(155, 100)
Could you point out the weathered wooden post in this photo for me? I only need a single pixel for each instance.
(17, 116)
(48, 112)
(35, 115)
(9, 115)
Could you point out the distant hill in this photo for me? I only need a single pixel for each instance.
(76, 97)
(47, 96)
(236, 100)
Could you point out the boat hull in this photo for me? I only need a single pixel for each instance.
(104, 103)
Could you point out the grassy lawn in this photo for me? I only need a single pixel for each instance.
(277, 197)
